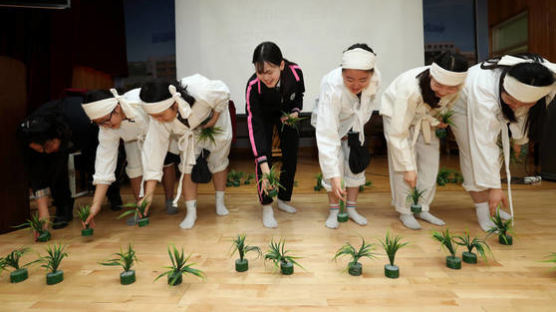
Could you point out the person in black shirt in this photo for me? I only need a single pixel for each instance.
(47, 137)
(274, 93)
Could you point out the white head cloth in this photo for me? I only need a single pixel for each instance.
(521, 91)
(358, 59)
(447, 77)
(97, 109)
(157, 107)
(126, 107)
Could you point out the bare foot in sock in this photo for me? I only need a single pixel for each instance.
(268, 217)
(284, 206)
(221, 209)
(356, 217)
(409, 221)
(189, 220)
(332, 221)
(427, 216)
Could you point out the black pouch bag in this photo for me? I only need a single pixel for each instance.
(359, 156)
(200, 172)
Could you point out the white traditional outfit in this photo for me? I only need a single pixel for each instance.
(132, 132)
(338, 112)
(209, 95)
(479, 121)
(409, 129)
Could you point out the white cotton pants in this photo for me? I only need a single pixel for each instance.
(134, 167)
(427, 158)
(461, 132)
(350, 179)
(220, 149)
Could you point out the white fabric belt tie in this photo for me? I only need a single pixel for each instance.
(186, 145)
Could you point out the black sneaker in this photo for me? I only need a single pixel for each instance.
(59, 223)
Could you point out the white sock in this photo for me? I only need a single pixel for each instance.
(409, 221)
(504, 215)
(332, 221)
(189, 220)
(427, 216)
(284, 206)
(354, 215)
(483, 216)
(268, 217)
(220, 206)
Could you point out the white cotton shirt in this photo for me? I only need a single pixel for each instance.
(338, 110)
(209, 95)
(480, 102)
(132, 133)
(403, 103)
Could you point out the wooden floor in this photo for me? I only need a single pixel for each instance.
(516, 280)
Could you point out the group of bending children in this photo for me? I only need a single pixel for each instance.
(161, 124)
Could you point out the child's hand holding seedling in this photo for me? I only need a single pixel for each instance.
(293, 115)
(338, 189)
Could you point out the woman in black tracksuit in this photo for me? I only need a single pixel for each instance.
(274, 92)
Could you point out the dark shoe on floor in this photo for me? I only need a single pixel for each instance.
(60, 223)
(116, 204)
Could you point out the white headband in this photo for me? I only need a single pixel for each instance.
(101, 108)
(358, 59)
(447, 77)
(521, 91)
(525, 93)
(158, 107)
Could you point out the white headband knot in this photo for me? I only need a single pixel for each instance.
(126, 107)
(358, 59)
(157, 107)
(521, 91)
(447, 77)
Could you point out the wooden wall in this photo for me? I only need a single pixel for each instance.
(13, 100)
(542, 22)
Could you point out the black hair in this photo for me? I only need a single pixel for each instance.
(157, 90)
(531, 73)
(39, 128)
(96, 95)
(447, 60)
(266, 52)
(363, 46)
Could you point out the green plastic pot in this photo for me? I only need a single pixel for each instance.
(441, 133)
(469, 257)
(236, 183)
(87, 232)
(286, 268)
(143, 222)
(391, 271)
(127, 277)
(508, 240)
(453, 262)
(19, 275)
(242, 265)
(228, 184)
(355, 268)
(54, 278)
(44, 237)
(343, 217)
(178, 281)
(416, 208)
